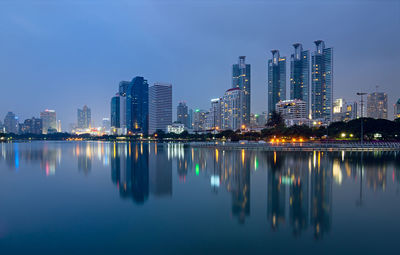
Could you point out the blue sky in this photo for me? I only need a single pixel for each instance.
(64, 54)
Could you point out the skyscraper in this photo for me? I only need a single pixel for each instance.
(377, 106)
(182, 114)
(33, 126)
(49, 121)
(231, 110)
(199, 120)
(115, 113)
(241, 80)
(11, 123)
(84, 117)
(216, 113)
(397, 109)
(160, 107)
(137, 106)
(300, 75)
(276, 80)
(322, 82)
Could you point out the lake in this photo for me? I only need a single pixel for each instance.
(139, 198)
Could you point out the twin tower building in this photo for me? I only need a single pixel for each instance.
(319, 105)
(313, 102)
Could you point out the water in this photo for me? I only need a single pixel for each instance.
(120, 198)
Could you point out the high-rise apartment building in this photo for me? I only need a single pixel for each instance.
(300, 75)
(216, 114)
(293, 111)
(322, 82)
(49, 121)
(11, 123)
(160, 107)
(276, 80)
(241, 80)
(231, 109)
(182, 114)
(199, 120)
(84, 117)
(377, 105)
(397, 109)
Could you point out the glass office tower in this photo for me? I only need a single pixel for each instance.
(300, 75)
(276, 80)
(241, 80)
(322, 82)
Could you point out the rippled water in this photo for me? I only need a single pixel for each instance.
(138, 198)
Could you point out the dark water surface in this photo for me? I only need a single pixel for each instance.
(133, 198)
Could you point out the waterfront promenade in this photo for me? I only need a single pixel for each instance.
(304, 146)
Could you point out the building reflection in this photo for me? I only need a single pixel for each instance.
(298, 187)
(47, 156)
(140, 170)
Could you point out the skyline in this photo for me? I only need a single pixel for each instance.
(82, 63)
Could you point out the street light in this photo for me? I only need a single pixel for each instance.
(362, 94)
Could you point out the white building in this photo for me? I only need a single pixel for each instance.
(294, 112)
(176, 128)
(231, 109)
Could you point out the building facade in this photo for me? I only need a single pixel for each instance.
(216, 113)
(397, 109)
(377, 105)
(322, 83)
(160, 107)
(49, 121)
(32, 126)
(293, 111)
(276, 80)
(231, 109)
(241, 80)
(182, 114)
(11, 123)
(84, 117)
(137, 106)
(199, 120)
(300, 75)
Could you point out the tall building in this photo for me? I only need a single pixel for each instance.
(106, 124)
(241, 80)
(160, 107)
(231, 110)
(115, 113)
(199, 120)
(32, 126)
(300, 75)
(322, 82)
(59, 129)
(377, 106)
(84, 117)
(397, 109)
(276, 80)
(49, 121)
(137, 106)
(216, 113)
(11, 123)
(182, 114)
(344, 111)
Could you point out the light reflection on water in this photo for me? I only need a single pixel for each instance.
(299, 193)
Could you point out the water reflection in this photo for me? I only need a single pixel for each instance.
(298, 186)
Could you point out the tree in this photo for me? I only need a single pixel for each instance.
(276, 120)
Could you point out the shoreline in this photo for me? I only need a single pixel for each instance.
(288, 146)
